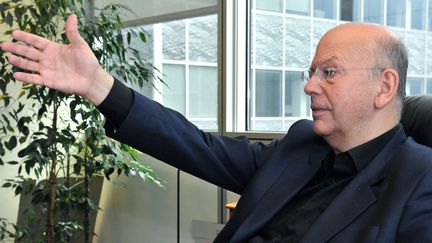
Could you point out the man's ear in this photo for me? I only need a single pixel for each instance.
(388, 88)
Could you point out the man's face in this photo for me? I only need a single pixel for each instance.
(342, 90)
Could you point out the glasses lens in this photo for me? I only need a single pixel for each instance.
(305, 76)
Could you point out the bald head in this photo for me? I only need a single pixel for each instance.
(373, 44)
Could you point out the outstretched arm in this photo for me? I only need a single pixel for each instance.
(69, 68)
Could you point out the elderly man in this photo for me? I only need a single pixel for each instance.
(350, 175)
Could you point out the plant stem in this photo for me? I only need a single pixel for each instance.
(52, 178)
(86, 195)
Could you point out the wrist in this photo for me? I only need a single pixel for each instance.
(100, 87)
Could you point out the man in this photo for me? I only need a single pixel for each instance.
(351, 175)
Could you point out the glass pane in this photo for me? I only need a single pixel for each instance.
(325, 9)
(268, 93)
(430, 15)
(174, 91)
(203, 92)
(299, 7)
(203, 39)
(418, 14)
(396, 13)
(269, 5)
(374, 11)
(414, 86)
(319, 29)
(267, 40)
(350, 10)
(416, 44)
(173, 40)
(429, 55)
(294, 95)
(429, 86)
(297, 42)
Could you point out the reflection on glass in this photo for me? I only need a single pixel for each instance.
(414, 86)
(418, 14)
(269, 5)
(374, 11)
(299, 7)
(173, 40)
(429, 86)
(396, 13)
(203, 39)
(174, 91)
(268, 40)
(202, 92)
(430, 15)
(268, 93)
(297, 42)
(325, 9)
(293, 94)
(350, 10)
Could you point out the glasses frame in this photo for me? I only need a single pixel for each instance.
(321, 73)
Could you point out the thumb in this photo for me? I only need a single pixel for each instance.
(72, 31)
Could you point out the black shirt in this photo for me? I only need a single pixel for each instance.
(296, 217)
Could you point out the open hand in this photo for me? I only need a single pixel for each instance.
(69, 68)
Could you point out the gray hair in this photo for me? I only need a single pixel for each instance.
(395, 54)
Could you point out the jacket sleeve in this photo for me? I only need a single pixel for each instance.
(416, 220)
(168, 136)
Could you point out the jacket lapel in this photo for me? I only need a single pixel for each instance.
(350, 203)
(293, 173)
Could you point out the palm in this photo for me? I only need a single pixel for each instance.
(67, 68)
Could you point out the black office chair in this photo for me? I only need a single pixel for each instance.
(417, 118)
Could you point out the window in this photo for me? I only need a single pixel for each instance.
(325, 9)
(186, 53)
(415, 86)
(300, 7)
(269, 5)
(350, 10)
(418, 14)
(374, 11)
(396, 13)
(429, 86)
(282, 44)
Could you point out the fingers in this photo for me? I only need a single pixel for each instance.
(21, 50)
(30, 78)
(72, 31)
(30, 39)
(23, 63)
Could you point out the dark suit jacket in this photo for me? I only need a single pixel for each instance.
(389, 200)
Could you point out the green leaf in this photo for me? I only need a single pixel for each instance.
(108, 172)
(129, 37)
(7, 185)
(13, 162)
(2, 150)
(77, 168)
(142, 37)
(12, 143)
(18, 189)
(9, 19)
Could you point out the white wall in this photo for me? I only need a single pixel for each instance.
(143, 212)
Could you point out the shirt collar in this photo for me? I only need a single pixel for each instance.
(364, 153)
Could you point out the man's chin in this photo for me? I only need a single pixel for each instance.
(320, 128)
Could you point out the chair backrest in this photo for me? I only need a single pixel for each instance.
(417, 118)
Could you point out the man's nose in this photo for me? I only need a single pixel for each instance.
(312, 86)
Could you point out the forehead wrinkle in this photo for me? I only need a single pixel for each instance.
(332, 58)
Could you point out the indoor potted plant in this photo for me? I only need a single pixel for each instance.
(57, 135)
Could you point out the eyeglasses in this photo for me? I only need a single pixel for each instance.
(330, 74)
